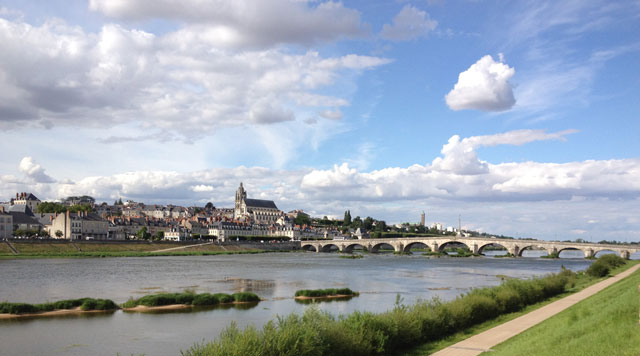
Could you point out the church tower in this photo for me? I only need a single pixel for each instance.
(240, 209)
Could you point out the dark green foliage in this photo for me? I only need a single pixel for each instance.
(612, 260)
(245, 297)
(204, 299)
(224, 298)
(83, 303)
(317, 333)
(598, 269)
(318, 293)
(190, 298)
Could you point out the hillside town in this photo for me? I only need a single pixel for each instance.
(81, 218)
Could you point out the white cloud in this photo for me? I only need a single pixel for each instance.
(244, 23)
(202, 188)
(408, 24)
(34, 171)
(173, 86)
(484, 86)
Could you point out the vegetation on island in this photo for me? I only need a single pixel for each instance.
(191, 298)
(352, 257)
(362, 333)
(324, 293)
(85, 304)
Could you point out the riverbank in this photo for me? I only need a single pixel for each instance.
(602, 324)
(92, 249)
(582, 283)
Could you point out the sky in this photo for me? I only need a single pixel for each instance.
(519, 117)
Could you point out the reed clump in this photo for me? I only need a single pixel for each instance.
(85, 304)
(320, 293)
(190, 298)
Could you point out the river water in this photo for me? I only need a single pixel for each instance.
(274, 277)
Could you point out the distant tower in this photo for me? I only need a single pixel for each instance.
(241, 195)
(422, 219)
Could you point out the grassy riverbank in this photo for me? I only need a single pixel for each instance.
(604, 324)
(96, 249)
(361, 333)
(582, 281)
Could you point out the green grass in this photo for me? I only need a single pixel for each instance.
(581, 281)
(320, 293)
(190, 298)
(83, 303)
(604, 324)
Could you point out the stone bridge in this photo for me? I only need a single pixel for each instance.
(475, 244)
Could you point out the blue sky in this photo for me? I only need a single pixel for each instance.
(521, 116)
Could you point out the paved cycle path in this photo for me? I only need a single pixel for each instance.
(483, 342)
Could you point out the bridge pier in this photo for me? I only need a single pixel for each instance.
(551, 251)
(434, 247)
(475, 249)
(319, 248)
(514, 251)
(589, 253)
(625, 254)
(398, 247)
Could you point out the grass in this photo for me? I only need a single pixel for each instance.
(84, 304)
(581, 281)
(190, 298)
(431, 324)
(320, 293)
(604, 324)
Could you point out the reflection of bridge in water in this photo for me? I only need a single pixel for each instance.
(475, 244)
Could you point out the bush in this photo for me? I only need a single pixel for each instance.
(245, 297)
(224, 298)
(598, 269)
(612, 260)
(205, 299)
(318, 293)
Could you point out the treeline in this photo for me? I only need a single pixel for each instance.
(51, 207)
(318, 333)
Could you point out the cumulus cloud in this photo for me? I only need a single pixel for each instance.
(175, 85)
(484, 86)
(242, 23)
(34, 171)
(408, 24)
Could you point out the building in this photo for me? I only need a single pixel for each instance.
(177, 234)
(6, 225)
(27, 199)
(79, 226)
(257, 210)
(422, 216)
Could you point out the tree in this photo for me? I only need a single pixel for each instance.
(160, 235)
(59, 234)
(356, 223)
(302, 219)
(347, 218)
(209, 206)
(368, 223)
(142, 234)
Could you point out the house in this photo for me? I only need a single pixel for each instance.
(79, 226)
(177, 234)
(6, 224)
(27, 199)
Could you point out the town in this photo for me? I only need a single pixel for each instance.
(81, 218)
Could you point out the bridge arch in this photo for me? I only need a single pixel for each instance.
(376, 248)
(453, 243)
(330, 248)
(532, 248)
(309, 247)
(482, 248)
(567, 254)
(603, 252)
(349, 248)
(416, 244)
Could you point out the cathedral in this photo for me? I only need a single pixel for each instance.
(255, 210)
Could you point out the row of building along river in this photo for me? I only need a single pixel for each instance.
(273, 276)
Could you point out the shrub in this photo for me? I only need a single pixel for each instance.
(245, 297)
(598, 269)
(224, 298)
(612, 260)
(205, 299)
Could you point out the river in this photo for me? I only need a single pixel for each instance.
(274, 277)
